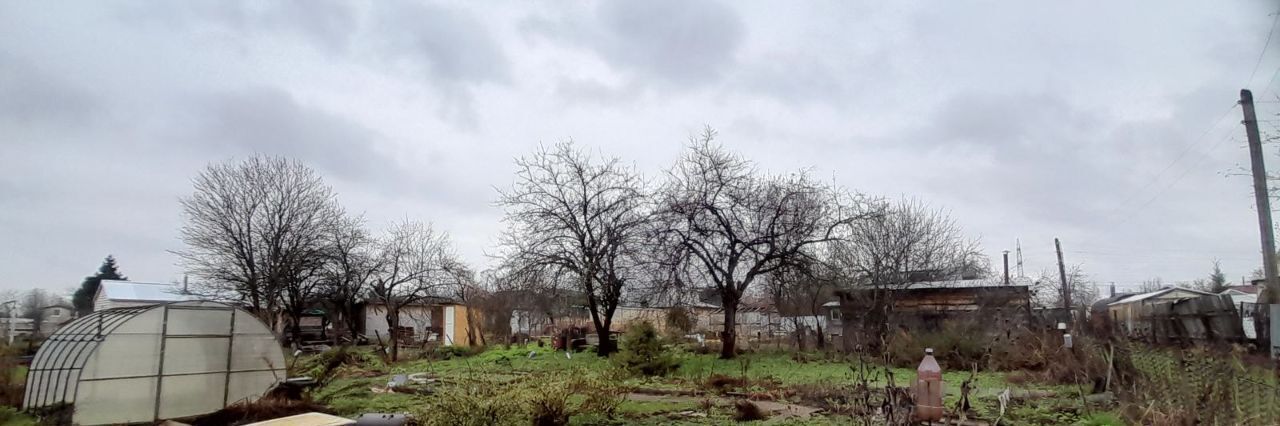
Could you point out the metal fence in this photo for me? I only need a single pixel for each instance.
(1210, 388)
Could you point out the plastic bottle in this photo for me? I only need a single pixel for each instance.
(928, 389)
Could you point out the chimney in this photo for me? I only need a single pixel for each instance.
(1006, 267)
(184, 284)
(1113, 289)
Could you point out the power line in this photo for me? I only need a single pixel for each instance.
(1263, 53)
(1184, 152)
(1177, 179)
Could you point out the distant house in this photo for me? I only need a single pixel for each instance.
(54, 317)
(443, 321)
(21, 327)
(1126, 313)
(121, 294)
(933, 305)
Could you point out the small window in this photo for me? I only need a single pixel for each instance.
(835, 314)
(57, 312)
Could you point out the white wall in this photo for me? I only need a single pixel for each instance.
(375, 319)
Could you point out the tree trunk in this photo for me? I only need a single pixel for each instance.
(800, 338)
(393, 325)
(353, 324)
(606, 346)
(822, 338)
(295, 329)
(729, 337)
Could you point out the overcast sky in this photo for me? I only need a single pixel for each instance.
(1111, 125)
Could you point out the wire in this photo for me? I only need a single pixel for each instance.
(1263, 53)
(1182, 175)
(1184, 152)
(1160, 192)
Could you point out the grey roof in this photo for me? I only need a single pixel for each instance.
(1144, 296)
(974, 283)
(131, 291)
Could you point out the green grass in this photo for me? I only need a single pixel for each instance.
(514, 368)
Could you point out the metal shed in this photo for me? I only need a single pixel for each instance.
(146, 363)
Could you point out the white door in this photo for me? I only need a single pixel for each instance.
(448, 326)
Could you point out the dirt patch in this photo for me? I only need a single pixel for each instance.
(771, 409)
(267, 409)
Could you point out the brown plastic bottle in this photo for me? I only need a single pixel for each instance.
(928, 389)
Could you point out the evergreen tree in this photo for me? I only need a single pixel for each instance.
(83, 299)
(1217, 280)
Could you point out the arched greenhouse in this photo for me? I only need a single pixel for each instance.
(146, 363)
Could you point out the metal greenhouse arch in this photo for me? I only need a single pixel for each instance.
(147, 363)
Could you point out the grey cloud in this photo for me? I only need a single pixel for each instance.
(31, 96)
(329, 24)
(668, 42)
(449, 46)
(271, 121)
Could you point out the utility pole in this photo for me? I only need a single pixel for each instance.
(1262, 199)
(1062, 274)
(1019, 244)
(1006, 267)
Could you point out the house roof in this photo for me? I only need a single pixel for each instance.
(1148, 295)
(132, 291)
(1241, 289)
(977, 283)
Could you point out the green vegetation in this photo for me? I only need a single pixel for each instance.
(643, 353)
(526, 383)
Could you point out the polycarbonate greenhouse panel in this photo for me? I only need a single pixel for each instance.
(195, 355)
(141, 350)
(115, 401)
(199, 322)
(183, 396)
(251, 386)
(256, 352)
(143, 364)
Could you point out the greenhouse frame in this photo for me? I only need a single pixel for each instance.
(148, 363)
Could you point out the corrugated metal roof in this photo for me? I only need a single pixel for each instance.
(131, 291)
(1157, 293)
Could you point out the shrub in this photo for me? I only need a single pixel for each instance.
(550, 407)
(954, 348)
(450, 352)
(1100, 419)
(747, 411)
(643, 353)
(479, 403)
(339, 361)
(679, 321)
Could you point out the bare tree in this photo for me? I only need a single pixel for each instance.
(581, 218)
(1047, 288)
(350, 266)
(726, 224)
(464, 286)
(255, 231)
(802, 290)
(33, 304)
(412, 260)
(906, 242)
(1151, 285)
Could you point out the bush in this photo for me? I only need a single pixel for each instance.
(954, 348)
(450, 352)
(643, 353)
(481, 403)
(679, 321)
(339, 361)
